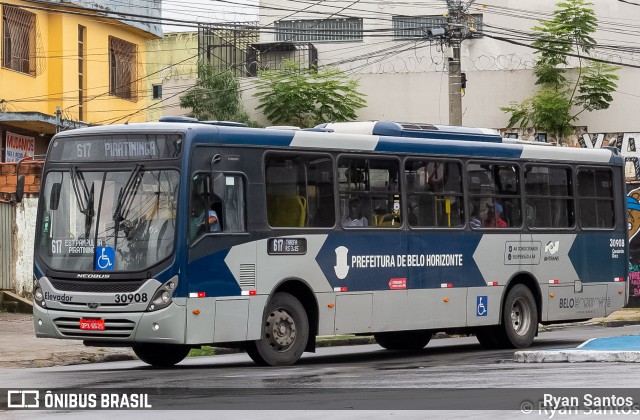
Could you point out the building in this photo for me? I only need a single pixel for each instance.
(62, 66)
(173, 69)
(173, 61)
(402, 67)
(71, 64)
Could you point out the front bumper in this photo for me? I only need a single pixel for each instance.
(163, 326)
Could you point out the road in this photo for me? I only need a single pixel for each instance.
(355, 377)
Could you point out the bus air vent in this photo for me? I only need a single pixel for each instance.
(418, 126)
(96, 287)
(178, 119)
(247, 275)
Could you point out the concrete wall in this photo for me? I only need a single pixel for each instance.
(23, 243)
(407, 80)
(173, 63)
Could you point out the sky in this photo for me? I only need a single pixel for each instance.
(208, 11)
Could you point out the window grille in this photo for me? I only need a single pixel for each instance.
(319, 30)
(410, 27)
(18, 40)
(122, 69)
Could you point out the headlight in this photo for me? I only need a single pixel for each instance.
(38, 296)
(163, 296)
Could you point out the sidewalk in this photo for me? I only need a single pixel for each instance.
(19, 347)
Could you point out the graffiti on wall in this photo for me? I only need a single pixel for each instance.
(625, 142)
(633, 208)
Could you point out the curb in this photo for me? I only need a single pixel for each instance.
(576, 356)
(607, 324)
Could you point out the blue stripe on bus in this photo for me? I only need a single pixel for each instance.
(450, 147)
(210, 274)
(373, 259)
(593, 257)
(240, 135)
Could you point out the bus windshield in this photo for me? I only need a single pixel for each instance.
(128, 216)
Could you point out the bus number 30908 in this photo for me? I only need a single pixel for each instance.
(131, 297)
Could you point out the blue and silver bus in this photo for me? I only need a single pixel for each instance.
(171, 235)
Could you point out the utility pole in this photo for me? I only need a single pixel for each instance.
(454, 29)
(58, 119)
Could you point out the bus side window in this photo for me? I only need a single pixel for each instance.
(434, 191)
(228, 202)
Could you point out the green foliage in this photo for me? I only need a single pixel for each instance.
(305, 98)
(596, 87)
(215, 96)
(547, 110)
(202, 351)
(568, 34)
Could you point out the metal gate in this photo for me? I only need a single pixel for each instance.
(7, 212)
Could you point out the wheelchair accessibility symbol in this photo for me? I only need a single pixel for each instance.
(105, 258)
(481, 305)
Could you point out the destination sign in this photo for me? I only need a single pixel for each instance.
(116, 148)
(287, 246)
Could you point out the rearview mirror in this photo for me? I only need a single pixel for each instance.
(54, 197)
(20, 188)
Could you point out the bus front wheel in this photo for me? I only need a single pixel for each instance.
(161, 355)
(285, 331)
(403, 340)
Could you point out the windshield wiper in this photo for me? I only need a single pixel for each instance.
(126, 198)
(84, 197)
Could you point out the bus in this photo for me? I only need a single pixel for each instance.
(171, 235)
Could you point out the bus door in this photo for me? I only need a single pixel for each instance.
(222, 260)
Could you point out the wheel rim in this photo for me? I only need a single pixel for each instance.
(280, 330)
(520, 316)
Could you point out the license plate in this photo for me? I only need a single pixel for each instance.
(92, 324)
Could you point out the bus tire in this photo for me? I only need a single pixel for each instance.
(161, 355)
(403, 340)
(285, 332)
(489, 337)
(519, 318)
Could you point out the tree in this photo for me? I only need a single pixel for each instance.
(560, 99)
(215, 96)
(305, 98)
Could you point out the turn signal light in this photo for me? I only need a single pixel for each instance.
(445, 300)
(552, 294)
(196, 311)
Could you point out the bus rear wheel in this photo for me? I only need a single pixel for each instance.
(519, 318)
(161, 355)
(403, 340)
(285, 332)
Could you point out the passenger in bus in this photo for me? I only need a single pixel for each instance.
(494, 216)
(355, 217)
(434, 182)
(475, 221)
(197, 224)
(214, 222)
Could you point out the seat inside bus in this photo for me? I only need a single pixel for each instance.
(286, 210)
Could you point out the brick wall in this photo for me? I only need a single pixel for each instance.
(32, 170)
